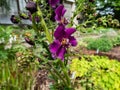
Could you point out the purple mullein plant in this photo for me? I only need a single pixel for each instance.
(63, 40)
(60, 11)
(31, 6)
(53, 3)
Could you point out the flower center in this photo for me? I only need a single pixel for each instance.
(62, 20)
(64, 41)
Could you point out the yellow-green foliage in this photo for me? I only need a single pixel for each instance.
(97, 73)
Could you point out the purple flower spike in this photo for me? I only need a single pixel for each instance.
(63, 40)
(60, 11)
(31, 6)
(53, 3)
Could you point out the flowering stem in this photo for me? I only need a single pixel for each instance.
(43, 24)
(34, 24)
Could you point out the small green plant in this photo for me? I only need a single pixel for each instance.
(116, 41)
(13, 79)
(96, 73)
(101, 44)
(5, 33)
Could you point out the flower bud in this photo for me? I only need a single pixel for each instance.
(15, 19)
(31, 6)
(29, 41)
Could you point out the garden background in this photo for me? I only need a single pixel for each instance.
(59, 45)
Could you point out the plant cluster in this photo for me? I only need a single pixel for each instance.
(108, 21)
(104, 43)
(96, 73)
(101, 44)
(89, 16)
(53, 36)
(6, 38)
(13, 79)
(53, 43)
(116, 41)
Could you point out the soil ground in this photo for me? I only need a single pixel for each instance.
(114, 53)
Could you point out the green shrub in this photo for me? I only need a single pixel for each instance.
(96, 73)
(116, 41)
(103, 44)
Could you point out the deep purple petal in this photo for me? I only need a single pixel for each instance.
(54, 46)
(69, 31)
(57, 17)
(60, 11)
(61, 52)
(63, 11)
(60, 32)
(72, 41)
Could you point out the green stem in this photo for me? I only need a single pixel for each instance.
(77, 11)
(50, 67)
(44, 26)
(60, 77)
(65, 73)
(34, 24)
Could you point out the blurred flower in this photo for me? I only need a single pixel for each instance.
(63, 40)
(60, 11)
(29, 41)
(53, 3)
(95, 14)
(15, 19)
(52, 18)
(31, 6)
(37, 19)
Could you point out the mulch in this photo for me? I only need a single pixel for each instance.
(112, 54)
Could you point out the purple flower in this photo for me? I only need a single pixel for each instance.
(31, 6)
(53, 3)
(60, 11)
(63, 40)
(15, 19)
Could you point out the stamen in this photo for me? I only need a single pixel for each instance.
(64, 41)
(62, 20)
